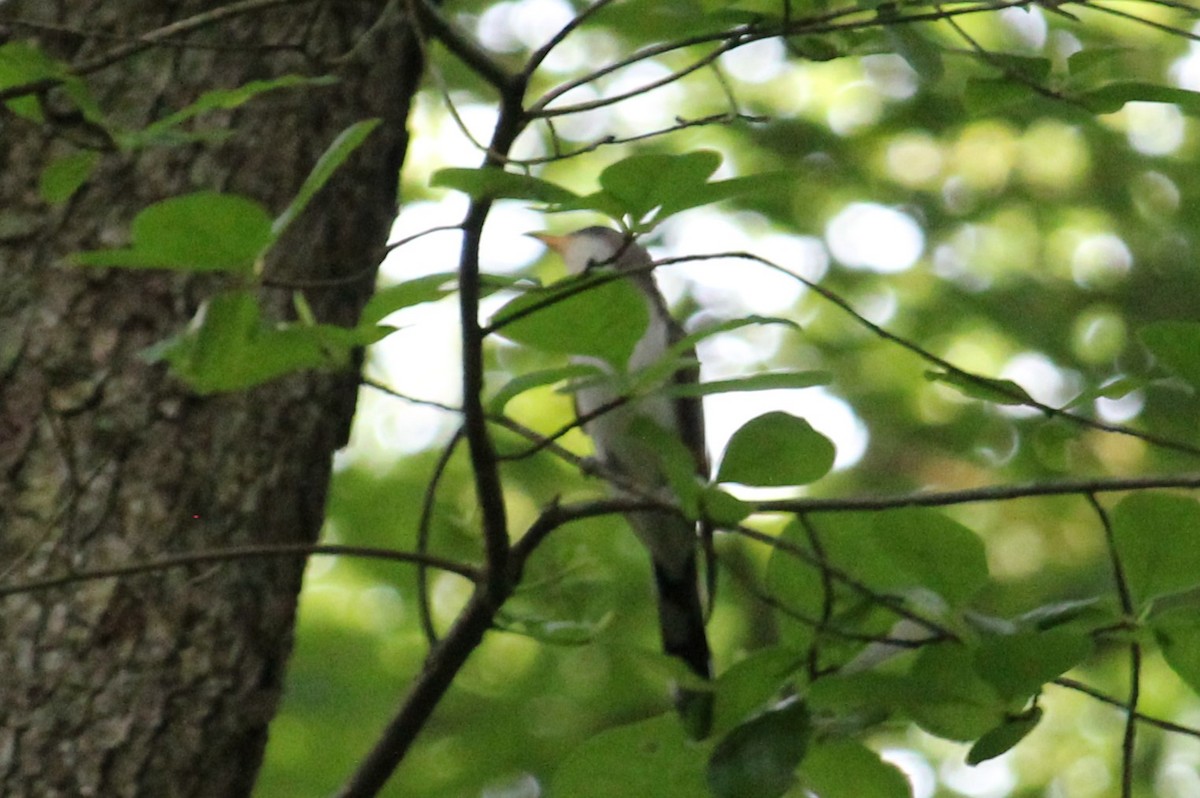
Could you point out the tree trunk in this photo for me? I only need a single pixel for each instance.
(163, 683)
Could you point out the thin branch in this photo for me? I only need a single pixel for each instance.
(166, 32)
(286, 284)
(545, 440)
(929, 357)
(441, 228)
(447, 658)
(1010, 74)
(1165, 725)
(973, 495)
(747, 34)
(239, 553)
(479, 60)
(1186, 34)
(834, 631)
(679, 74)
(539, 55)
(147, 40)
(827, 593)
(424, 694)
(379, 386)
(423, 530)
(39, 26)
(1129, 738)
(725, 118)
(891, 603)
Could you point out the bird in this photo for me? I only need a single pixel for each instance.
(672, 540)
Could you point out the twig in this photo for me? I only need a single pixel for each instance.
(450, 654)
(1186, 34)
(929, 357)
(972, 495)
(457, 42)
(891, 603)
(1129, 738)
(539, 55)
(1165, 725)
(423, 529)
(240, 553)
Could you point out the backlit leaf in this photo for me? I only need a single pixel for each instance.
(776, 449)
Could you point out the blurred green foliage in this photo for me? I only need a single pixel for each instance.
(1056, 227)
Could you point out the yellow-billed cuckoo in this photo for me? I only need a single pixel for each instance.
(673, 541)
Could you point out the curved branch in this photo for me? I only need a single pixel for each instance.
(929, 357)
(459, 43)
(447, 658)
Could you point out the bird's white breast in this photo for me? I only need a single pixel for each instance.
(610, 432)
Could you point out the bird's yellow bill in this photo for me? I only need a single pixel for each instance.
(555, 242)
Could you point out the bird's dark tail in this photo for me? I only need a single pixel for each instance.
(681, 619)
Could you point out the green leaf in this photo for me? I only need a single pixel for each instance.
(1092, 57)
(591, 315)
(945, 695)
(229, 348)
(776, 449)
(712, 193)
(652, 20)
(1178, 635)
(641, 183)
(815, 48)
(387, 301)
(923, 548)
(599, 201)
(1034, 69)
(681, 354)
(23, 62)
(750, 683)
(1017, 665)
(1176, 346)
(759, 757)
(984, 96)
(755, 382)
(497, 184)
(163, 131)
(797, 587)
(848, 769)
(1002, 738)
(198, 232)
(62, 177)
(643, 190)
(334, 156)
(1001, 392)
(1113, 389)
(1060, 613)
(930, 560)
(536, 379)
(652, 757)
(1157, 538)
(878, 692)
(1111, 97)
(722, 509)
(553, 631)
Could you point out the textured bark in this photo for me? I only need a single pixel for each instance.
(163, 683)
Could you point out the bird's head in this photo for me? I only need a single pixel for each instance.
(595, 247)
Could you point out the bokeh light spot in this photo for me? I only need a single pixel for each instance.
(873, 237)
